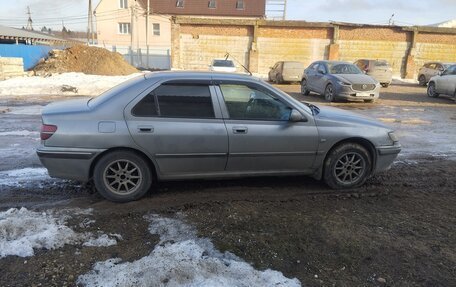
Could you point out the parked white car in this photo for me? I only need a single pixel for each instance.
(444, 84)
(222, 65)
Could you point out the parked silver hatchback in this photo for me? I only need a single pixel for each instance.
(187, 125)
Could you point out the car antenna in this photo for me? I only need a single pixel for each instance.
(227, 55)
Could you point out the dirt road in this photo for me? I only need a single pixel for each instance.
(397, 230)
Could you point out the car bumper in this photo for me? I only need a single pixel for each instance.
(347, 93)
(386, 156)
(67, 163)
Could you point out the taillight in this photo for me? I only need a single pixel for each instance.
(47, 131)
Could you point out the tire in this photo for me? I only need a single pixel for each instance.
(304, 89)
(369, 101)
(347, 166)
(385, 85)
(329, 93)
(431, 90)
(422, 80)
(122, 176)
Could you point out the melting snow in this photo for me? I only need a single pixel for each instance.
(22, 231)
(26, 175)
(181, 259)
(87, 85)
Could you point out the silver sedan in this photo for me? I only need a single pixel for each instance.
(339, 80)
(187, 125)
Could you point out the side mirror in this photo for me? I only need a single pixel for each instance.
(296, 116)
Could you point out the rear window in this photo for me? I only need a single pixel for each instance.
(381, 64)
(223, 63)
(177, 101)
(293, 65)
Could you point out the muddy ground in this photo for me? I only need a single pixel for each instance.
(397, 230)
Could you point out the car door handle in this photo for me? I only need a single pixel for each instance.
(240, 130)
(146, 129)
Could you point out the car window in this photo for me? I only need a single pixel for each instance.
(383, 64)
(341, 68)
(146, 107)
(177, 101)
(451, 70)
(431, 66)
(249, 103)
(322, 68)
(314, 66)
(223, 63)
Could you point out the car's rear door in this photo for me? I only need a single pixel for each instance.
(261, 137)
(179, 124)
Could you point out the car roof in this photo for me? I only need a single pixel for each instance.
(334, 62)
(198, 75)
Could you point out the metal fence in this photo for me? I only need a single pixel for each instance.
(145, 57)
(31, 54)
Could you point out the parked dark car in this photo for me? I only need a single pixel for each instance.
(188, 125)
(286, 71)
(377, 69)
(339, 80)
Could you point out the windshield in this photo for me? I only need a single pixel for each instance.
(114, 91)
(223, 63)
(342, 68)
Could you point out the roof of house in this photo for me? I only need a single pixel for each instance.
(21, 34)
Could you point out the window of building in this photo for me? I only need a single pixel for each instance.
(249, 103)
(124, 28)
(156, 27)
(212, 4)
(123, 4)
(180, 3)
(184, 101)
(240, 4)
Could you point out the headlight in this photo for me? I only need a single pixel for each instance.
(393, 137)
(343, 83)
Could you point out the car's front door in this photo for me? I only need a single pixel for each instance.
(261, 137)
(447, 82)
(179, 125)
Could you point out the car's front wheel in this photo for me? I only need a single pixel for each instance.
(329, 93)
(122, 176)
(431, 92)
(347, 166)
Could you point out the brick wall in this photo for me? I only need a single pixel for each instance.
(11, 67)
(259, 44)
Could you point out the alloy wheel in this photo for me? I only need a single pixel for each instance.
(349, 168)
(122, 177)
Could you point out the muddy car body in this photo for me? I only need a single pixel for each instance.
(339, 80)
(187, 125)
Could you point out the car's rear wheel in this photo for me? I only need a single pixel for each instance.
(347, 166)
(385, 85)
(329, 93)
(304, 90)
(122, 176)
(431, 92)
(422, 80)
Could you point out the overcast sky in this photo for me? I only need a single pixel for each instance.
(51, 13)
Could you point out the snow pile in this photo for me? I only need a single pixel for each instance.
(85, 85)
(17, 177)
(22, 231)
(181, 259)
(103, 240)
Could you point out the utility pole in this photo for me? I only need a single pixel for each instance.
(29, 21)
(90, 24)
(131, 33)
(147, 31)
